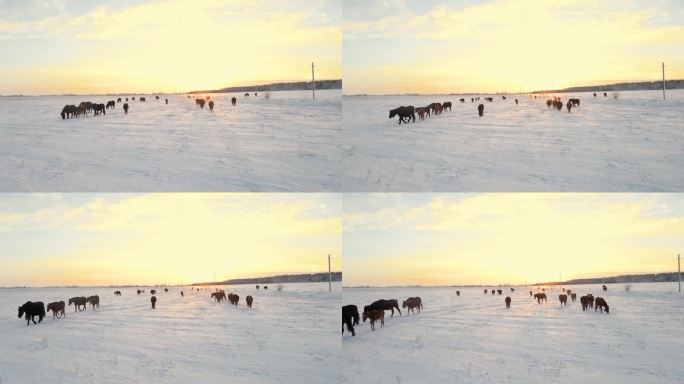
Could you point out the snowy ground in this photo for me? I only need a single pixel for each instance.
(632, 143)
(287, 337)
(285, 143)
(475, 339)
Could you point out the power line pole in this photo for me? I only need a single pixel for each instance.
(329, 275)
(313, 81)
(663, 81)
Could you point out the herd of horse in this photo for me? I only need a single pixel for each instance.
(408, 113)
(376, 310)
(87, 107)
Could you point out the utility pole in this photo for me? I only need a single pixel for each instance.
(329, 275)
(313, 81)
(679, 272)
(663, 81)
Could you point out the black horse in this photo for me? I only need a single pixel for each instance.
(405, 113)
(153, 300)
(480, 109)
(117, 293)
(211, 105)
(385, 305)
(125, 107)
(233, 101)
(350, 317)
(601, 304)
(110, 104)
(99, 109)
(31, 310)
(69, 111)
(448, 105)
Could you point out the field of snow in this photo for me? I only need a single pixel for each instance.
(475, 339)
(287, 142)
(632, 143)
(287, 337)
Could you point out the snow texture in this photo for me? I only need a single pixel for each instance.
(473, 338)
(632, 143)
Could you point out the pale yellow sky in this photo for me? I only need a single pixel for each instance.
(399, 239)
(166, 46)
(441, 46)
(165, 238)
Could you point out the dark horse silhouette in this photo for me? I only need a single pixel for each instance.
(412, 303)
(69, 111)
(480, 109)
(350, 317)
(448, 105)
(78, 302)
(601, 304)
(57, 309)
(200, 103)
(31, 309)
(508, 301)
(573, 296)
(585, 302)
(233, 101)
(211, 105)
(94, 300)
(110, 104)
(153, 291)
(99, 109)
(385, 305)
(563, 299)
(233, 298)
(540, 297)
(153, 300)
(249, 300)
(125, 107)
(117, 293)
(404, 113)
(218, 296)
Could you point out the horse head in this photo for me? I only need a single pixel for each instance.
(21, 312)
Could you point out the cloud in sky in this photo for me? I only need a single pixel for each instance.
(168, 45)
(156, 238)
(503, 45)
(496, 238)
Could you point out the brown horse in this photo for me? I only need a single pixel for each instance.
(249, 300)
(385, 305)
(563, 299)
(94, 300)
(79, 302)
(218, 296)
(57, 309)
(573, 296)
(540, 297)
(422, 111)
(125, 107)
(412, 303)
(211, 105)
(374, 315)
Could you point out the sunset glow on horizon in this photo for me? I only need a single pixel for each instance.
(466, 239)
(145, 46)
(462, 46)
(112, 239)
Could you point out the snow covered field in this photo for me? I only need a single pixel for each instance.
(287, 142)
(475, 339)
(632, 143)
(287, 337)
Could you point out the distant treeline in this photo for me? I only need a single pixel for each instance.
(640, 86)
(642, 278)
(300, 278)
(295, 86)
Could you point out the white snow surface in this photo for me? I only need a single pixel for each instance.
(475, 339)
(287, 337)
(632, 143)
(287, 142)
